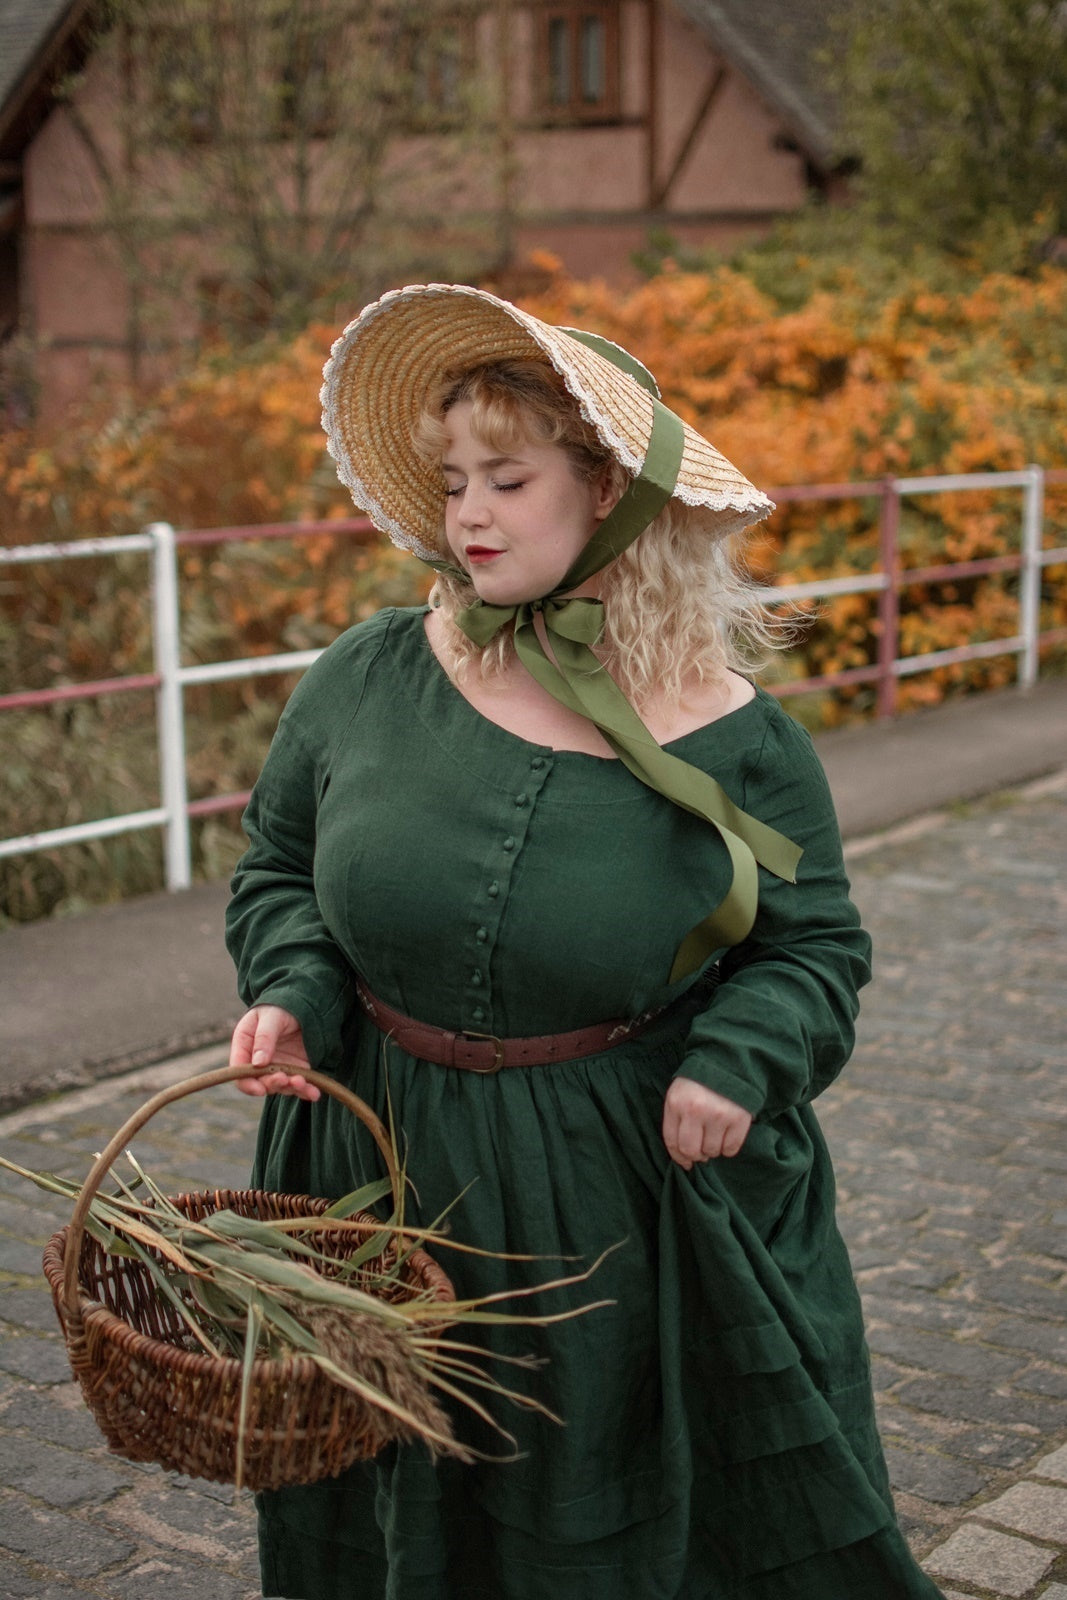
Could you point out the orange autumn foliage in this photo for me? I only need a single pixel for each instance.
(852, 385)
(843, 389)
(847, 389)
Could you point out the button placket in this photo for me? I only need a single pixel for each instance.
(517, 811)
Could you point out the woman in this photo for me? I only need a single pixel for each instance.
(499, 869)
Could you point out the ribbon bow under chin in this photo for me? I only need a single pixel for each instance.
(574, 676)
(581, 683)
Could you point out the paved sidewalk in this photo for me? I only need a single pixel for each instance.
(947, 1132)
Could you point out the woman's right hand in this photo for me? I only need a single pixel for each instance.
(267, 1035)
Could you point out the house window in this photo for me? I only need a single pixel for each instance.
(578, 63)
(246, 79)
(180, 85)
(431, 69)
(442, 64)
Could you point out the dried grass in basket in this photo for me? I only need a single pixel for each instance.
(155, 1399)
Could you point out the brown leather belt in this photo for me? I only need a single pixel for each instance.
(484, 1052)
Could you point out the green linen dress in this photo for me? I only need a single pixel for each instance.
(718, 1439)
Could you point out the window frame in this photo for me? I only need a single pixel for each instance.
(444, 105)
(577, 111)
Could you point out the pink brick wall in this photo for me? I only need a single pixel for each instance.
(582, 192)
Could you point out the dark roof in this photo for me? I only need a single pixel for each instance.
(31, 34)
(776, 45)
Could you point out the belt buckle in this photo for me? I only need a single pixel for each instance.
(498, 1051)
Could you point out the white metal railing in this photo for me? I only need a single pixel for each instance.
(170, 678)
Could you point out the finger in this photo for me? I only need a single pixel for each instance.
(669, 1127)
(262, 1083)
(241, 1042)
(690, 1138)
(673, 1124)
(291, 1083)
(303, 1090)
(670, 1139)
(268, 1027)
(735, 1136)
(711, 1145)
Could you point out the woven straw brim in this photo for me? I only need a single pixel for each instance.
(390, 358)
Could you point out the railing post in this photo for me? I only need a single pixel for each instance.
(1030, 576)
(170, 714)
(889, 599)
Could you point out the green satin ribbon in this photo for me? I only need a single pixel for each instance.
(581, 683)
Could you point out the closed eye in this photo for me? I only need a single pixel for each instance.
(452, 489)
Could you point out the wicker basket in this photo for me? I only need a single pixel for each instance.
(157, 1399)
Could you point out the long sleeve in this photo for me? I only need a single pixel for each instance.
(781, 1025)
(275, 931)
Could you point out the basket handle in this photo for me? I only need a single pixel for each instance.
(178, 1091)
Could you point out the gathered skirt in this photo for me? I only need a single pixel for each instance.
(718, 1439)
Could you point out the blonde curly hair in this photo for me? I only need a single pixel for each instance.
(679, 607)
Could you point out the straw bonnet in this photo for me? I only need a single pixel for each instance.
(380, 373)
(388, 360)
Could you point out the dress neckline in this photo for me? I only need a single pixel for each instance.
(480, 719)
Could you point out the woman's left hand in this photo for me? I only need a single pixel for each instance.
(699, 1124)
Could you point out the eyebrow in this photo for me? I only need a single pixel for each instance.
(487, 464)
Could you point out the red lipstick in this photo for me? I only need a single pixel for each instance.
(478, 554)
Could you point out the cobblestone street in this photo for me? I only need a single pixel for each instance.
(948, 1136)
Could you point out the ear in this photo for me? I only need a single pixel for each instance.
(607, 494)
